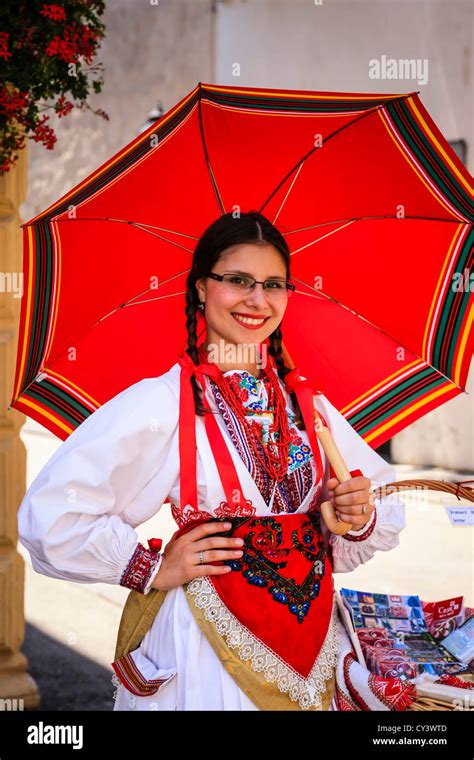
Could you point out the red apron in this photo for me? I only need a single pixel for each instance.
(281, 589)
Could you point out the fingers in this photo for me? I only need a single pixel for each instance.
(359, 483)
(355, 514)
(206, 529)
(355, 508)
(211, 570)
(353, 499)
(216, 542)
(348, 497)
(351, 493)
(216, 548)
(213, 555)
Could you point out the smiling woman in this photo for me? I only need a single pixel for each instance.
(276, 603)
(238, 612)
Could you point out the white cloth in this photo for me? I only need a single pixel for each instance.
(114, 472)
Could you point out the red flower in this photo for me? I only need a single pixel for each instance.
(63, 106)
(54, 12)
(4, 45)
(77, 41)
(63, 42)
(10, 104)
(44, 134)
(64, 48)
(85, 39)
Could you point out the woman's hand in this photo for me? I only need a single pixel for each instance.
(349, 497)
(180, 561)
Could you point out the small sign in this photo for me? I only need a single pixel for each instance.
(460, 515)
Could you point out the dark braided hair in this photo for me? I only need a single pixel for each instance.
(226, 230)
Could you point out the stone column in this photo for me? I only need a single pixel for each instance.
(17, 689)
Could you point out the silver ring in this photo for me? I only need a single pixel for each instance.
(201, 557)
(364, 509)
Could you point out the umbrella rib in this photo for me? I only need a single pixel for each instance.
(140, 225)
(347, 223)
(160, 237)
(158, 298)
(143, 225)
(328, 234)
(326, 139)
(379, 329)
(206, 155)
(383, 216)
(52, 357)
(127, 303)
(287, 194)
(111, 219)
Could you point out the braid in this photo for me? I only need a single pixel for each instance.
(275, 350)
(192, 350)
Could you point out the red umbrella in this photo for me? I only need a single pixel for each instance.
(373, 203)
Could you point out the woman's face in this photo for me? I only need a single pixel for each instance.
(262, 262)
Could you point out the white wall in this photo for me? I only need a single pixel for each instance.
(298, 44)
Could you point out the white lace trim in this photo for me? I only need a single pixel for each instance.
(117, 683)
(306, 691)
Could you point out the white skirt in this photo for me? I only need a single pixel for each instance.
(175, 649)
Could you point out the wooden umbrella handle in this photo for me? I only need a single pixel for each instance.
(335, 457)
(341, 471)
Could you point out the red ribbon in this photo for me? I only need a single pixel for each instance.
(187, 438)
(155, 544)
(304, 393)
(225, 465)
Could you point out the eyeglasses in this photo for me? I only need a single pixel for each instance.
(239, 283)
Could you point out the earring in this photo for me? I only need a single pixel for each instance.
(201, 305)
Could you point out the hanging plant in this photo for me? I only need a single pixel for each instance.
(46, 63)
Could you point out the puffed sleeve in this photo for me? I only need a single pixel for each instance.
(381, 533)
(112, 473)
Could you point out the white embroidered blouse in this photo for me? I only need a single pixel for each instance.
(121, 464)
(115, 471)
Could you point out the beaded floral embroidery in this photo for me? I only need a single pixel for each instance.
(264, 557)
(253, 392)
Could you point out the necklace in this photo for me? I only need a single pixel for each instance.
(275, 461)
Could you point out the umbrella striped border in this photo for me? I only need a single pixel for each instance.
(419, 142)
(61, 406)
(390, 406)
